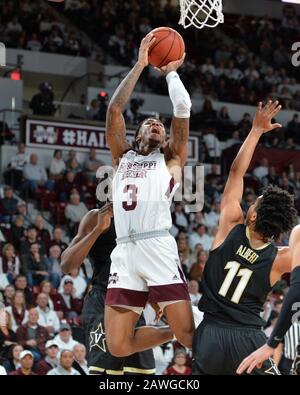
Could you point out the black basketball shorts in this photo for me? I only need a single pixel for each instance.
(100, 361)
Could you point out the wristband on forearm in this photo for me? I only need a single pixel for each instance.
(179, 96)
(285, 319)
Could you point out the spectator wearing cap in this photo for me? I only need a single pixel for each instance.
(35, 266)
(80, 362)
(32, 335)
(66, 360)
(64, 338)
(66, 300)
(79, 283)
(47, 317)
(32, 238)
(178, 365)
(8, 205)
(50, 361)
(26, 361)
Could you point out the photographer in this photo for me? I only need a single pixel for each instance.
(42, 102)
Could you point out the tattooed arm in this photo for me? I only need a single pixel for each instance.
(115, 123)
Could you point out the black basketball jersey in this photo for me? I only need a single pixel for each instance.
(100, 257)
(236, 279)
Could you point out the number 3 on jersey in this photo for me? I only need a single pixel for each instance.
(131, 190)
(245, 275)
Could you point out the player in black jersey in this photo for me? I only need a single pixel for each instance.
(96, 238)
(288, 315)
(243, 265)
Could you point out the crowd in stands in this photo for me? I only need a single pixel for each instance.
(252, 61)
(34, 26)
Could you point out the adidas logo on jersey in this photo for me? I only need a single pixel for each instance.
(175, 278)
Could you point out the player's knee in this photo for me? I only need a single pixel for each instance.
(119, 350)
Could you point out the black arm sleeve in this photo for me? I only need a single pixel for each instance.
(285, 319)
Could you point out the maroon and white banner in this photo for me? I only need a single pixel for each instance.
(80, 137)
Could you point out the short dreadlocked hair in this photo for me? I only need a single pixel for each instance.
(276, 212)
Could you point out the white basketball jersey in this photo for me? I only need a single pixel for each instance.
(142, 192)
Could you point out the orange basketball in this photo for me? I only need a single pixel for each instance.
(168, 46)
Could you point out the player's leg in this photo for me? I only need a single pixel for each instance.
(180, 318)
(100, 361)
(122, 337)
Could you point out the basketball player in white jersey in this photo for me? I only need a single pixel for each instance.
(145, 263)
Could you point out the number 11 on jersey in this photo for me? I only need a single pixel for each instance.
(245, 275)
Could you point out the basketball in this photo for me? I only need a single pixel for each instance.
(168, 46)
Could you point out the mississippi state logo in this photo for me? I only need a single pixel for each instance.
(113, 278)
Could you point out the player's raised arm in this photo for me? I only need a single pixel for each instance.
(231, 212)
(92, 225)
(180, 127)
(287, 314)
(115, 123)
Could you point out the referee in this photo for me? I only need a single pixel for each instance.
(289, 348)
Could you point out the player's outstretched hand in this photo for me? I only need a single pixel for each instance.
(105, 215)
(172, 66)
(255, 359)
(263, 117)
(146, 43)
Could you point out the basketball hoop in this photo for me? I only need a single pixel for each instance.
(201, 13)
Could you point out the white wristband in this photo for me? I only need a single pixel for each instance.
(179, 96)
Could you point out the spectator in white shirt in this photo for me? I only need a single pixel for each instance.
(80, 362)
(262, 170)
(34, 43)
(14, 27)
(212, 218)
(47, 317)
(212, 143)
(75, 210)
(199, 236)
(35, 175)
(179, 218)
(64, 368)
(195, 295)
(14, 173)
(79, 283)
(57, 166)
(64, 338)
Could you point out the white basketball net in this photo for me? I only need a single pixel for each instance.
(201, 13)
